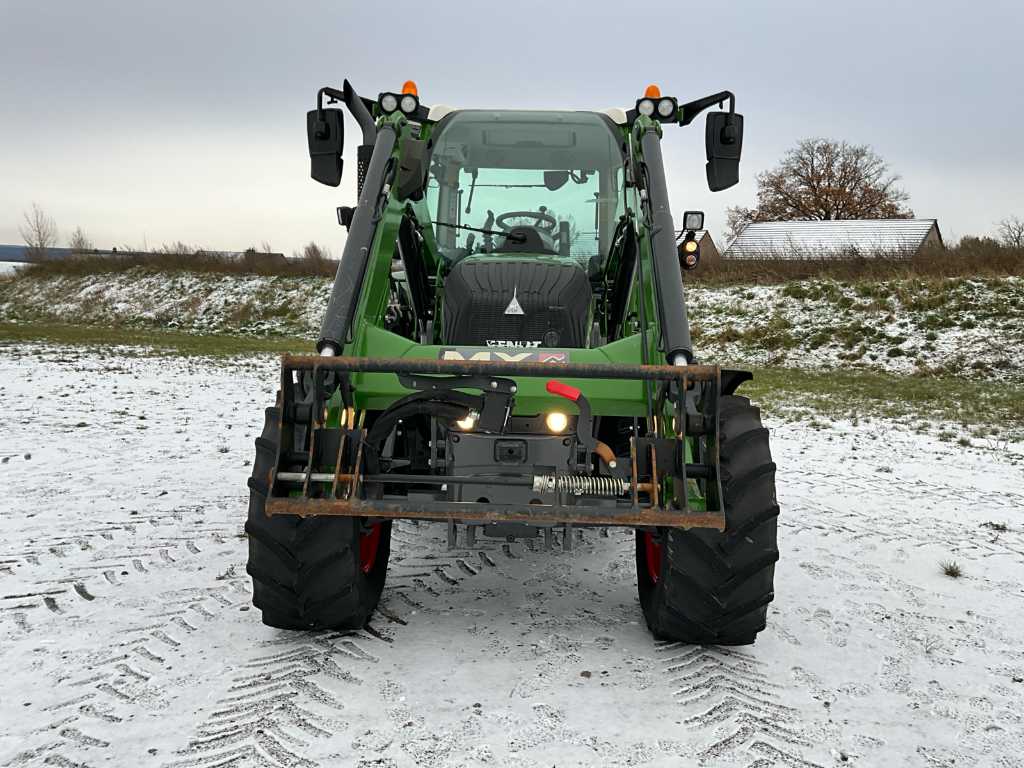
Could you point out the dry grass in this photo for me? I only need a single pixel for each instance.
(181, 257)
(145, 342)
(971, 258)
(952, 569)
(994, 526)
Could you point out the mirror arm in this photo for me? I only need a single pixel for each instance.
(690, 110)
(357, 107)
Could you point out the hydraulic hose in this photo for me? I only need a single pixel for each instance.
(445, 406)
(456, 407)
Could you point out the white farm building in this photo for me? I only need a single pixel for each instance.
(865, 238)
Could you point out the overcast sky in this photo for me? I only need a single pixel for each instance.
(150, 122)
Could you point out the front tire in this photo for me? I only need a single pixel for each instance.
(310, 573)
(708, 587)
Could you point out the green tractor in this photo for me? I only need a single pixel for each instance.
(506, 351)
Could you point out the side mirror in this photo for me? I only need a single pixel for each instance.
(326, 133)
(412, 170)
(555, 180)
(723, 139)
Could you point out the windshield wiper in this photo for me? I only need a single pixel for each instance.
(512, 236)
(472, 189)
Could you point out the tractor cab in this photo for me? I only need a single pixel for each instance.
(519, 182)
(523, 205)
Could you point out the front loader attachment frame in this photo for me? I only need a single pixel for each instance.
(325, 466)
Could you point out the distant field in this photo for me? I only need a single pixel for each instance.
(971, 257)
(963, 327)
(971, 412)
(138, 342)
(945, 355)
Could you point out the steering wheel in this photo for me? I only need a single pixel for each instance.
(537, 216)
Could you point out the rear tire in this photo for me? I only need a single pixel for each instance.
(708, 587)
(315, 572)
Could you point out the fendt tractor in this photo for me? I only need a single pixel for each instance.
(506, 351)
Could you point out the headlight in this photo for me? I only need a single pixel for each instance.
(468, 421)
(690, 246)
(388, 102)
(409, 104)
(556, 422)
(666, 107)
(645, 107)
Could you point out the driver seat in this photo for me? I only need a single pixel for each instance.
(524, 239)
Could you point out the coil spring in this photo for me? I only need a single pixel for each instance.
(581, 485)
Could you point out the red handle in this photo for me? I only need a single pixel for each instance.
(563, 390)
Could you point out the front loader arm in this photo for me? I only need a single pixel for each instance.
(348, 281)
(668, 281)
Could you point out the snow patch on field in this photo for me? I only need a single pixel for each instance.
(127, 636)
(955, 326)
(946, 327)
(193, 302)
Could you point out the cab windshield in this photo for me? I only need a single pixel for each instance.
(545, 183)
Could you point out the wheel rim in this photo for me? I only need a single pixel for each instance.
(652, 552)
(369, 543)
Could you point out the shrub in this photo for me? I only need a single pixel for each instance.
(952, 569)
(313, 262)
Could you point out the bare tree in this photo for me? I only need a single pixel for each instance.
(313, 253)
(823, 179)
(972, 242)
(1011, 232)
(736, 220)
(178, 248)
(39, 231)
(80, 242)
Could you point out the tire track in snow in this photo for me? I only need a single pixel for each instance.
(121, 677)
(539, 619)
(285, 698)
(726, 693)
(278, 702)
(65, 570)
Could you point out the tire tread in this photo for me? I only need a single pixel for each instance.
(715, 586)
(305, 571)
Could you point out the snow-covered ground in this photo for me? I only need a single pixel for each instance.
(954, 326)
(127, 638)
(189, 301)
(972, 327)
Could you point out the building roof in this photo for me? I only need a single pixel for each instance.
(19, 253)
(12, 253)
(832, 239)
